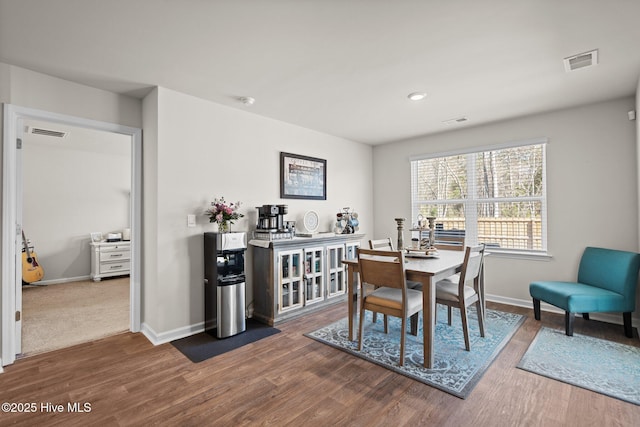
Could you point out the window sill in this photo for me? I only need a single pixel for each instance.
(534, 256)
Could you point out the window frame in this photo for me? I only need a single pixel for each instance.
(472, 201)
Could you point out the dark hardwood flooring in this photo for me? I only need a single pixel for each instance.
(288, 379)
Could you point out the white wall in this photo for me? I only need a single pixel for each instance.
(73, 186)
(35, 90)
(637, 110)
(149, 271)
(592, 186)
(205, 150)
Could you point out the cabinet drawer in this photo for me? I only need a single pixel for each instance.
(116, 247)
(112, 255)
(115, 266)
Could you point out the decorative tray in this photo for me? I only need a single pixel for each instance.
(421, 253)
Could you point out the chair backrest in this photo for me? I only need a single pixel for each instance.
(382, 268)
(381, 244)
(611, 269)
(472, 265)
(451, 243)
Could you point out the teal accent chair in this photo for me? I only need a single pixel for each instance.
(607, 281)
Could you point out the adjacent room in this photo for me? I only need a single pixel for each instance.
(75, 182)
(320, 213)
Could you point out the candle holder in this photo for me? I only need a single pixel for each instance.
(400, 222)
(432, 231)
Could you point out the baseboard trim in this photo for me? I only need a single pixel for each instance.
(63, 280)
(175, 334)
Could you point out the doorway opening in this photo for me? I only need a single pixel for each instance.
(16, 120)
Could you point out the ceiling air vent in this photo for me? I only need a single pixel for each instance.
(583, 60)
(457, 121)
(47, 132)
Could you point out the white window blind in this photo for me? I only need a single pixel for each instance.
(496, 197)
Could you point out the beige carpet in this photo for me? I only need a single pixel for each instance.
(66, 314)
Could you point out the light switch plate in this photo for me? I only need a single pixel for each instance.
(191, 220)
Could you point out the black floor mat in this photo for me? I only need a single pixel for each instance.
(205, 345)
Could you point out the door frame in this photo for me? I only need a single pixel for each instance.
(11, 220)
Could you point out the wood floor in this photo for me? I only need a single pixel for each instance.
(288, 379)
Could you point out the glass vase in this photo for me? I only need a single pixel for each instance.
(224, 227)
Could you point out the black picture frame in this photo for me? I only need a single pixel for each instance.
(302, 177)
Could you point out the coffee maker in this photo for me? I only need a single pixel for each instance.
(271, 217)
(271, 224)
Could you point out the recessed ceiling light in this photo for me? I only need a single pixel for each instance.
(417, 96)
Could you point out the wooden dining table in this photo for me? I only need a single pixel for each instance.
(427, 271)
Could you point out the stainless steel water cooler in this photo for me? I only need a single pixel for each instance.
(224, 283)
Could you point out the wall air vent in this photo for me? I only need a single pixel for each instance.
(457, 121)
(46, 132)
(583, 60)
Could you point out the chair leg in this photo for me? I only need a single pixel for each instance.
(403, 333)
(386, 324)
(375, 314)
(585, 316)
(536, 308)
(626, 319)
(449, 314)
(568, 321)
(414, 325)
(465, 327)
(480, 312)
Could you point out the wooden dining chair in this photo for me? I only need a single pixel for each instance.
(384, 270)
(460, 291)
(387, 245)
(381, 244)
(450, 243)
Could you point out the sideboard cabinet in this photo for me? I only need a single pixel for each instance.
(294, 276)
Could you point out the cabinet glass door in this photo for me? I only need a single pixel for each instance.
(336, 270)
(314, 275)
(352, 250)
(290, 280)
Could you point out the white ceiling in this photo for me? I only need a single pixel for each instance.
(343, 67)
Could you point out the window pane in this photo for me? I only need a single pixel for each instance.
(516, 225)
(496, 197)
(453, 211)
(443, 178)
(511, 172)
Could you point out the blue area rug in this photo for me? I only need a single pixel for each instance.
(598, 365)
(455, 370)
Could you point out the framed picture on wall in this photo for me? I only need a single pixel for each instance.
(302, 177)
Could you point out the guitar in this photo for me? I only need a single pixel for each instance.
(31, 270)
